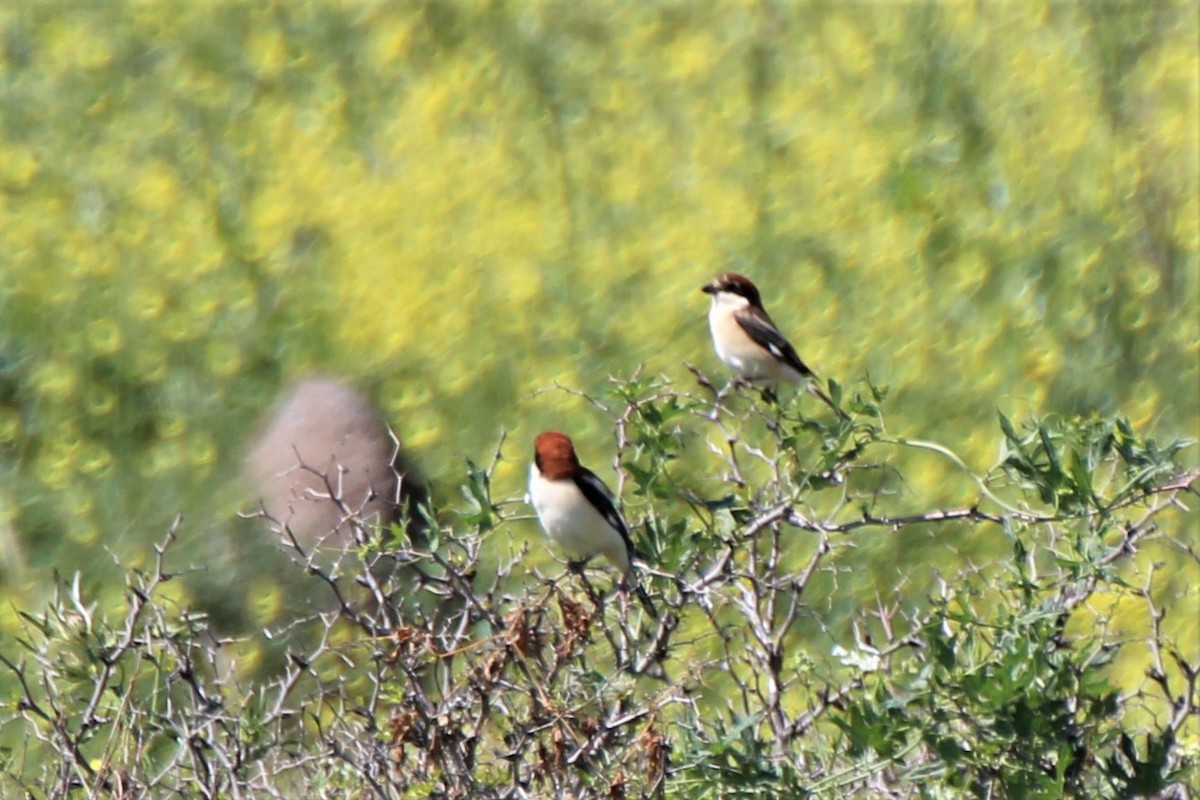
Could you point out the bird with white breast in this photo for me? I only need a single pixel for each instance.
(749, 342)
(576, 509)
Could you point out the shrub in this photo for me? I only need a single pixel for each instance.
(1064, 666)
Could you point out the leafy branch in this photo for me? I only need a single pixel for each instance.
(441, 657)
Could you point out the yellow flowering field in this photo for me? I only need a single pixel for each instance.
(457, 204)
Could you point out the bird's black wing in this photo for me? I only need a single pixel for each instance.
(760, 328)
(602, 500)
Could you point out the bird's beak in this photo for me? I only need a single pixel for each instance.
(709, 288)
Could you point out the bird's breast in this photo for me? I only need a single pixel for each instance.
(741, 353)
(572, 522)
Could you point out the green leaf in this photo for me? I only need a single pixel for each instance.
(729, 501)
(1009, 433)
(1082, 477)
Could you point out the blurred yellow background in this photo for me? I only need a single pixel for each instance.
(454, 204)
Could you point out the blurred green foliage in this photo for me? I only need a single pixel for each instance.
(457, 203)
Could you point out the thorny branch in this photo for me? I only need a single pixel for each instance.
(434, 661)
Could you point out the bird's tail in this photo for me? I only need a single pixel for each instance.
(813, 388)
(630, 581)
(646, 602)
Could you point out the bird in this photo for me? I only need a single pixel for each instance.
(749, 342)
(576, 510)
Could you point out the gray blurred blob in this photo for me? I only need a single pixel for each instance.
(324, 456)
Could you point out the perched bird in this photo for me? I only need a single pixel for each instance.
(747, 340)
(576, 509)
